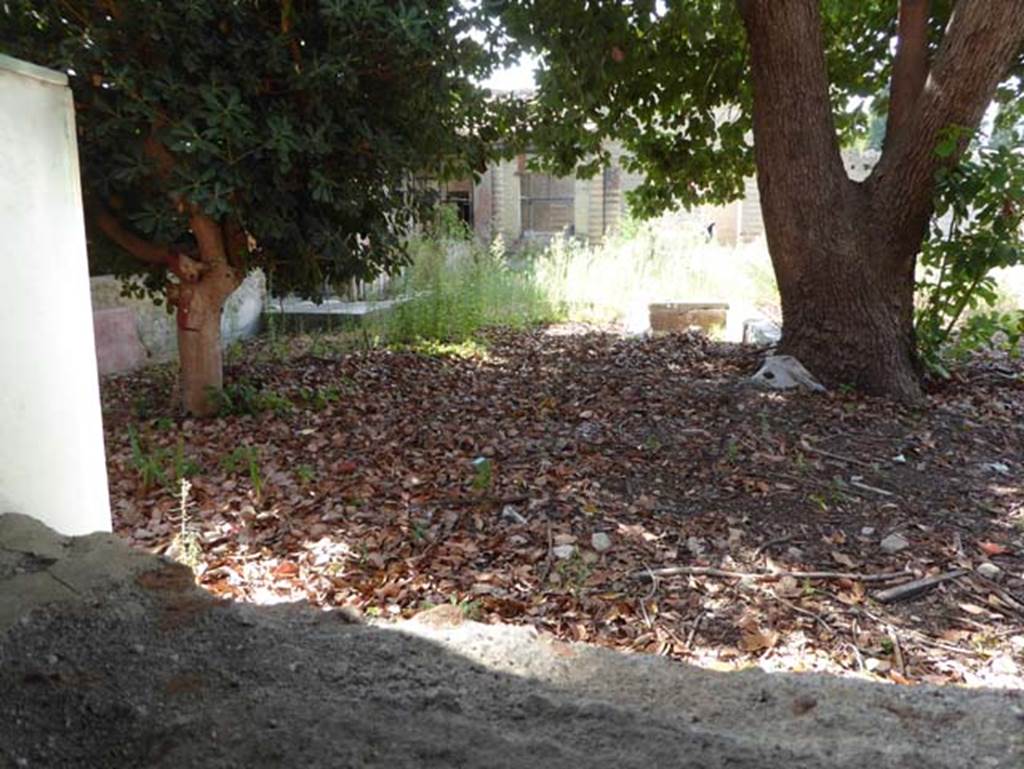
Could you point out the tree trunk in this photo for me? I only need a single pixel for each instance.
(200, 303)
(844, 252)
(848, 319)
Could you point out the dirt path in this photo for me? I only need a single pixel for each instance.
(112, 658)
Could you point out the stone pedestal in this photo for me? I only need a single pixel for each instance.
(677, 317)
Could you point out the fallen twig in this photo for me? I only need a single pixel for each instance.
(916, 587)
(805, 612)
(897, 652)
(763, 547)
(873, 489)
(831, 455)
(710, 571)
(693, 630)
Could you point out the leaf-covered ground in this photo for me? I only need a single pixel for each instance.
(607, 463)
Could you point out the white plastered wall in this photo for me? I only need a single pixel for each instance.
(52, 463)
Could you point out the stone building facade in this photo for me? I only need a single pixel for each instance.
(521, 205)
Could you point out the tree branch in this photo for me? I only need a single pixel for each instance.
(795, 142)
(981, 42)
(910, 67)
(157, 254)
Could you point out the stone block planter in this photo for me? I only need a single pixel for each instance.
(677, 317)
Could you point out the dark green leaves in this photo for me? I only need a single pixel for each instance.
(305, 130)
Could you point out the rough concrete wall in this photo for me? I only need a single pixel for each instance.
(595, 207)
(148, 334)
(52, 464)
(506, 203)
(581, 208)
(483, 206)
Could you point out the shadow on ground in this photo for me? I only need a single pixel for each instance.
(113, 658)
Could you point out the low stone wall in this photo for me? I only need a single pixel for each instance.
(131, 332)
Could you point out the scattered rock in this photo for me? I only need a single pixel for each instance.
(564, 552)
(443, 615)
(784, 372)
(894, 543)
(601, 542)
(510, 514)
(564, 539)
(875, 665)
(1000, 468)
(695, 546)
(760, 331)
(988, 569)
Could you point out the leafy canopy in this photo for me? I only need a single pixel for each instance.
(669, 79)
(306, 122)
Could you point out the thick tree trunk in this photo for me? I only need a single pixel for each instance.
(200, 304)
(844, 252)
(848, 319)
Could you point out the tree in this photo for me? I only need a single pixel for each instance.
(217, 136)
(683, 85)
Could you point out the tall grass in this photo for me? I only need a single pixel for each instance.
(665, 260)
(456, 287)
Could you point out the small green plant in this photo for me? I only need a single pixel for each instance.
(306, 474)
(319, 398)
(184, 467)
(976, 229)
(652, 443)
(245, 398)
(820, 501)
(732, 451)
(470, 609)
(148, 463)
(574, 572)
(164, 424)
(246, 458)
(483, 473)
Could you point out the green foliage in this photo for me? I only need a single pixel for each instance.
(149, 464)
(977, 229)
(159, 465)
(320, 398)
(483, 473)
(302, 122)
(245, 398)
(670, 81)
(246, 458)
(454, 288)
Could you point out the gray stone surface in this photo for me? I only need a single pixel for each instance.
(152, 672)
(39, 567)
(156, 328)
(28, 536)
(894, 543)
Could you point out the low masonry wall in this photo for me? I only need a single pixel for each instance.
(131, 333)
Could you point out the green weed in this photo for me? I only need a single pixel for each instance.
(246, 458)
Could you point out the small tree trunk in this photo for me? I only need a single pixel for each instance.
(200, 303)
(199, 348)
